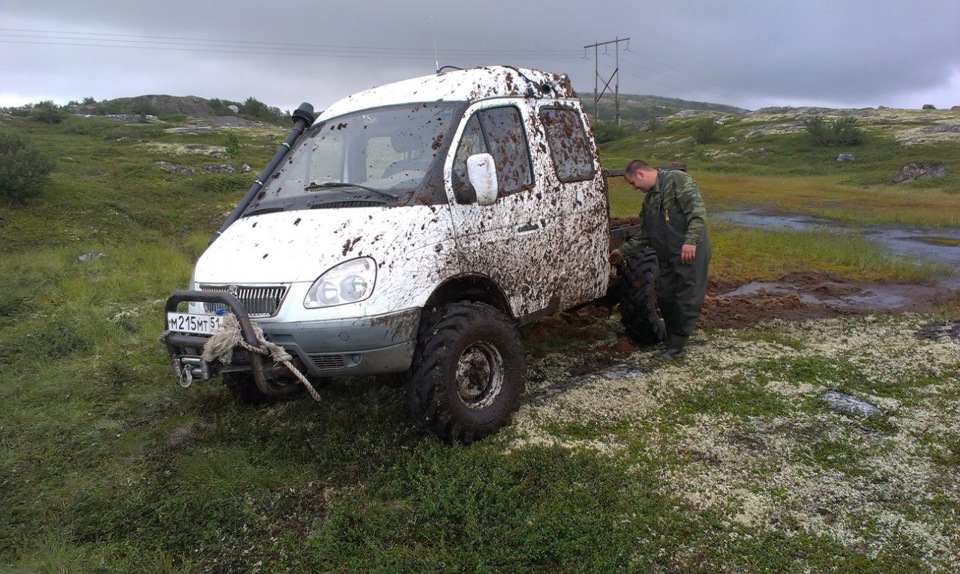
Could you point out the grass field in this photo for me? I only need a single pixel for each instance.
(727, 461)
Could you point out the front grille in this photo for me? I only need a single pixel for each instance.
(258, 301)
(328, 362)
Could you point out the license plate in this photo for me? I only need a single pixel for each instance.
(194, 323)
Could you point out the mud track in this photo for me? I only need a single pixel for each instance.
(730, 305)
(800, 296)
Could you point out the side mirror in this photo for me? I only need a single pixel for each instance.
(482, 173)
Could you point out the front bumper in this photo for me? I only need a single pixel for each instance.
(331, 348)
(347, 347)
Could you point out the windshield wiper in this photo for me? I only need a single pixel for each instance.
(335, 184)
(262, 210)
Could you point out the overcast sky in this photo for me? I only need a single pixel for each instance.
(745, 53)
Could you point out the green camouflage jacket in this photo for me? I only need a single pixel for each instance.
(677, 190)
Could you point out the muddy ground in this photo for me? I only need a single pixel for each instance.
(816, 295)
(731, 305)
(810, 295)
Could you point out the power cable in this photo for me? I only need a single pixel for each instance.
(105, 40)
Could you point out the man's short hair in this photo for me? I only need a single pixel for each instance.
(635, 165)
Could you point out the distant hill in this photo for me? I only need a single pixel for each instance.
(191, 106)
(634, 109)
(152, 104)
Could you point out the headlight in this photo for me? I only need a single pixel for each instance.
(346, 283)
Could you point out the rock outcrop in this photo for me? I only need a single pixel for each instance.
(913, 171)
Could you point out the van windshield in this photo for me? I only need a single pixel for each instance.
(383, 153)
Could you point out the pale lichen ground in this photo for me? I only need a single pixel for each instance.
(907, 127)
(179, 149)
(871, 485)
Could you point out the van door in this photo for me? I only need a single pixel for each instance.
(509, 241)
(574, 181)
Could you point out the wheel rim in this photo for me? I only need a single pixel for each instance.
(479, 375)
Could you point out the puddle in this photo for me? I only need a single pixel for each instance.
(849, 296)
(940, 245)
(920, 243)
(792, 222)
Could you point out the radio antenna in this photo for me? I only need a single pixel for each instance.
(436, 54)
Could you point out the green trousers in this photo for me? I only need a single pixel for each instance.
(681, 288)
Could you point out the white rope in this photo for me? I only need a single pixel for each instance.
(221, 344)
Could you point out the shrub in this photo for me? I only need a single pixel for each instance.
(222, 107)
(24, 171)
(232, 145)
(234, 183)
(256, 109)
(841, 131)
(48, 112)
(604, 132)
(144, 108)
(705, 131)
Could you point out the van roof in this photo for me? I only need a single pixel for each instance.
(458, 85)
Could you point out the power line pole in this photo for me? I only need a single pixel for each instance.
(606, 83)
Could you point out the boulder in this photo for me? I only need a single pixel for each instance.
(176, 168)
(942, 128)
(844, 404)
(913, 171)
(222, 168)
(846, 157)
(929, 107)
(90, 256)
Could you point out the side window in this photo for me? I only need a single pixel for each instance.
(569, 145)
(499, 132)
(470, 143)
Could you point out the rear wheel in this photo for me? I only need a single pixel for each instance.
(638, 302)
(468, 372)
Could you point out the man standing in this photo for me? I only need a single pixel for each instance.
(673, 222)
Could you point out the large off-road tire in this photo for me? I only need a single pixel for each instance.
(468, 372)
(638, 300)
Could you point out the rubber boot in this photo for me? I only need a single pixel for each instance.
(674, 350)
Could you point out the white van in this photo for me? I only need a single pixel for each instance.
(411, 229)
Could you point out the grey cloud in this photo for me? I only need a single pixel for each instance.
(843, 52)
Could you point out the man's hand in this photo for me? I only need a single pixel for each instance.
(687, 253)
(615, 256)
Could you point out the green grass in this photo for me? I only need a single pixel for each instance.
(819, 195)
(107, 465)
(743, 254)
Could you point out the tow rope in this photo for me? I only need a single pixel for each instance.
(221, 344)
